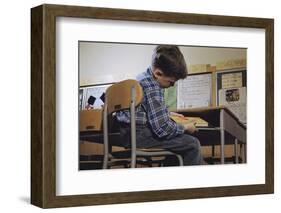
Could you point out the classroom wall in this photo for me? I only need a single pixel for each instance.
(111, 62)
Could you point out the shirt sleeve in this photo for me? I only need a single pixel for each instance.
(158, 116)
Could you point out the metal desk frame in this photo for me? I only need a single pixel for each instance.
(223, 120)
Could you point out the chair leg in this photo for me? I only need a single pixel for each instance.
(133, 158)
(180, 160)
(105, 162)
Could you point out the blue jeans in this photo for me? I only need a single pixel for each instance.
(186, 145)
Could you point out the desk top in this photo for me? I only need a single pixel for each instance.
(210, 114)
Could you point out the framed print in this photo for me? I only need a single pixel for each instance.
(80, 56)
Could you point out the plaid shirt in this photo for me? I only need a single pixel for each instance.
(152, 111)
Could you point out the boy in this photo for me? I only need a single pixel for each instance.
(154, 127)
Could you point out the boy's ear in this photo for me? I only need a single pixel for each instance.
(158, 72)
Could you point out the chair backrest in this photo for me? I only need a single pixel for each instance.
(125, 94)
(90, 120)
(118, 96)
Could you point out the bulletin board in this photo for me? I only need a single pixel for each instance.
(231, 91)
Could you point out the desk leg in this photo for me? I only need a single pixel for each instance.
(213, 151)
(245, 152)
(222, 135)
(236, 150)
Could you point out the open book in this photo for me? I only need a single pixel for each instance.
(199, 122)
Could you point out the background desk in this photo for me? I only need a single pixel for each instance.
(223, 123)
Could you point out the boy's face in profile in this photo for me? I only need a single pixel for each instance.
(163, 80)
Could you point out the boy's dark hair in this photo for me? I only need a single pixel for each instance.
(169, 59)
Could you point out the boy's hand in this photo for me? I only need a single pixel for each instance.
(190, 128)
(176, 114)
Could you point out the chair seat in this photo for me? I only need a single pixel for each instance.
(142, 152)
(153, 152)
(97, 137)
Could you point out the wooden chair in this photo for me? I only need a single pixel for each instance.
(127, 94)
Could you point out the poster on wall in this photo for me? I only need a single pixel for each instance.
(232, 92)
(195, 91)
(235, 99)
(93, 96)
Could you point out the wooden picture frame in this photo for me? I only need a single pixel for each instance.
(43, 105)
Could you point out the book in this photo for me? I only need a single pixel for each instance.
(199, 122)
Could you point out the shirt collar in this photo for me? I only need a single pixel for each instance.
(149, 72)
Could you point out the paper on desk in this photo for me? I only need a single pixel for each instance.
(185, 120)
